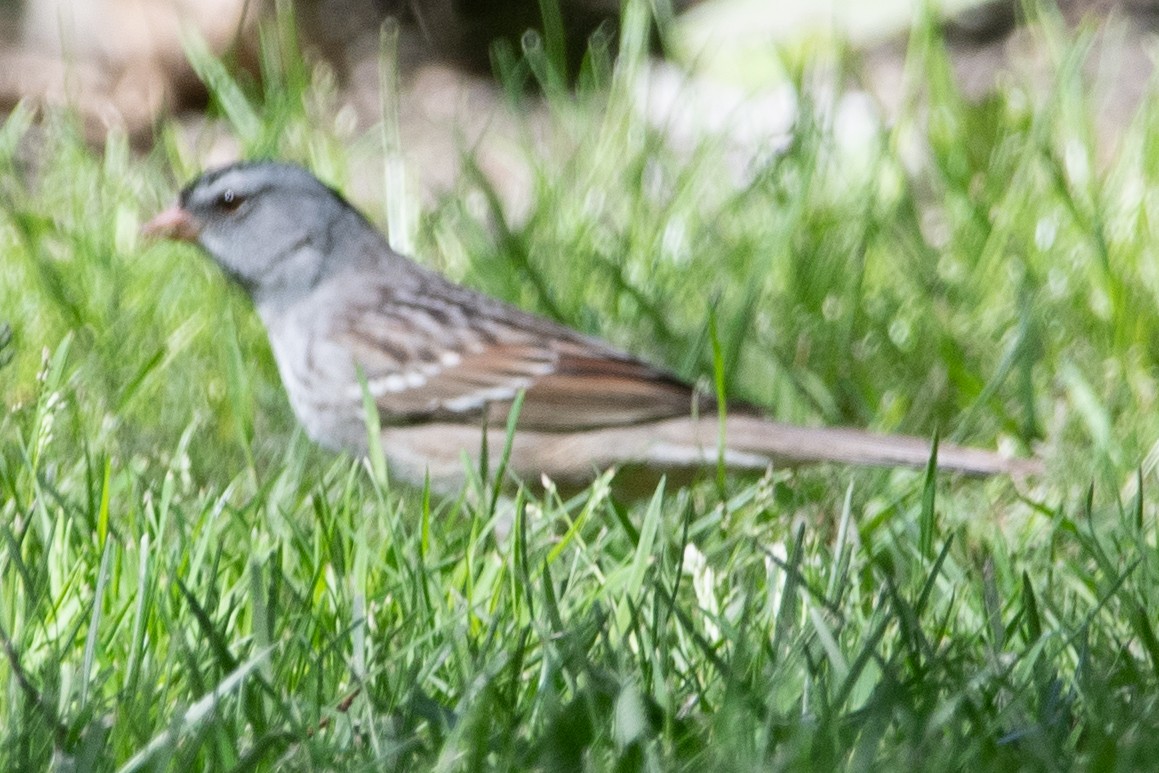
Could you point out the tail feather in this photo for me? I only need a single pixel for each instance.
(435, 451)
(754, 442)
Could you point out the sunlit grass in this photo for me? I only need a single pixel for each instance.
(186, 582)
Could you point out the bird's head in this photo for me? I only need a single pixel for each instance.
(273, 227)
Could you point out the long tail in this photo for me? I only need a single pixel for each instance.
(671, 445)
(790, 443)
(753, 442)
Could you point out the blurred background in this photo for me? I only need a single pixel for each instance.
(123, 65)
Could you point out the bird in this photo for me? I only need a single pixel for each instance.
(349, 318)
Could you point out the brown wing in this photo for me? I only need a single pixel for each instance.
(451, 354)
(592, 389)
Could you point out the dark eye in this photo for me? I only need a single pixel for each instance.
(228, 201)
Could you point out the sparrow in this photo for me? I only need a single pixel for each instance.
(348, 317)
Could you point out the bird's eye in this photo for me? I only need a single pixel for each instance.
(228, 201)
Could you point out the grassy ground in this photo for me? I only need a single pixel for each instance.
(185, 582)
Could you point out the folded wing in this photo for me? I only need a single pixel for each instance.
(425, 360)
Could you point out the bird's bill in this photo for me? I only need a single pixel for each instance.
(173, 223)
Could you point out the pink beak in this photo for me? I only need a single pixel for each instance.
(173, 223)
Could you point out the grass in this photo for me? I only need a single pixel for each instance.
(185, 582)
